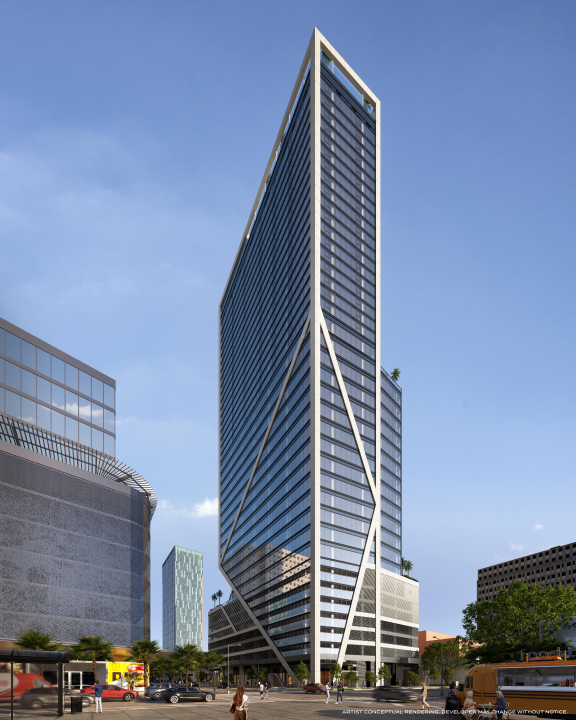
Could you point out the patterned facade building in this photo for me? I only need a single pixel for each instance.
(182, 603)
(74, 519)
(310, 425)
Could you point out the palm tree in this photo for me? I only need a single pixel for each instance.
(219, 595)
(190, 655)
(160, 666)
(407, 565)
(92, 648)
(395, 374)
(214, 598)
(177, 666)
(212, 660)
(36, 640)
(143, 651)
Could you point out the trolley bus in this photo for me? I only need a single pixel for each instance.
(540, 684)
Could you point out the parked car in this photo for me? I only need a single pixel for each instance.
(36, 698)
(157, 690)
(113, 692)
(396, 694)
(314, 688)
(184, 694)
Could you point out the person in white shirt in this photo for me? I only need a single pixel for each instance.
(240, 703)
(327, 688)
(261, 690)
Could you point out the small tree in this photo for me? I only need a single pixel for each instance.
(384, 674)
(92, 648)
(263, 674)
(214, 598)
(434, 674)
(407, 566)
(219, 595)
(371, 677)
(250, 674)
(143, 651)
(448, 674)
(301, 672)
(36, 640)
(202, 676)
(190, 654)
(412, 677)
(352, 677)
(160, 666)
(213, 660)
(335, 671)
(395, 374)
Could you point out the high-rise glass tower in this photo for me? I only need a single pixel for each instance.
(182, 608)
(310, 426)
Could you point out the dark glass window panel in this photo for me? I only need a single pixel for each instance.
(29, 411)
(28, 354)
(43, 362)
(58, 399)
(84, 409)
(1, 399)
(13, 404)
(13, 376)
(71, 376)
(109, 396)
(2, 363)
(58, 369)
(43, 390)
(71, 403)
(85, 435)
(28, 383)
(97, 415)
(72, 429)
(85, 386)
(13, 347)
(97, 390)
(109, 421)
(57, 423)
(43, 417)
(2, 334)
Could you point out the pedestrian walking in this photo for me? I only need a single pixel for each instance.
(339, 693)
(266, 688)
(261, 690)
(98, 690)
(423, 695)
(240, 704)
(327, 689)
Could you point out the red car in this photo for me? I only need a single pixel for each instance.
(314, 688)
(22, 682)
(114, 692)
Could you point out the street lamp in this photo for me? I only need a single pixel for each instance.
(441, 666)
(228, 659)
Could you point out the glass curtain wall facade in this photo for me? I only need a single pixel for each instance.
(182, 592)
(310, 467)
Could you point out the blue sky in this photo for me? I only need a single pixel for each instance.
(134, 138)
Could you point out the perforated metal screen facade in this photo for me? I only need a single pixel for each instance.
(74, 555)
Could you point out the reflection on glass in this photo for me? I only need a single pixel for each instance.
(1, 341)
(72, 376)
(12, 346)
(29, 383)
(109, 445)
(72, 429)
(84, 436)
(29, 354)
(13, 375)
(109, 396)
(43, 362)
(43, 416)
(85, 385)
(97, 390)
(98, 440)
(57, 423)
(84, 409)
(43, 390)
(71, 403)
(109, 421)
(1, 399)
(58, 369)
(29, 411)
(97, 415)
(1, 370)
(12, 404)
(58, 397)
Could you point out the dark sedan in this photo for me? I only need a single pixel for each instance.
(36, 698)
(184, 694)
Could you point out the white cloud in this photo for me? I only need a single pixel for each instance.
(538, 527)
(207, 508)
(513, 546)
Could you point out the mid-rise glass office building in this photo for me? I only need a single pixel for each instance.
(74, 519)
(310, 425)
(182, 593)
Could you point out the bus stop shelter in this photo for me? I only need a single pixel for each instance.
(10, 657)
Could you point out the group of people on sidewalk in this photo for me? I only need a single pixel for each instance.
(469, 708)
